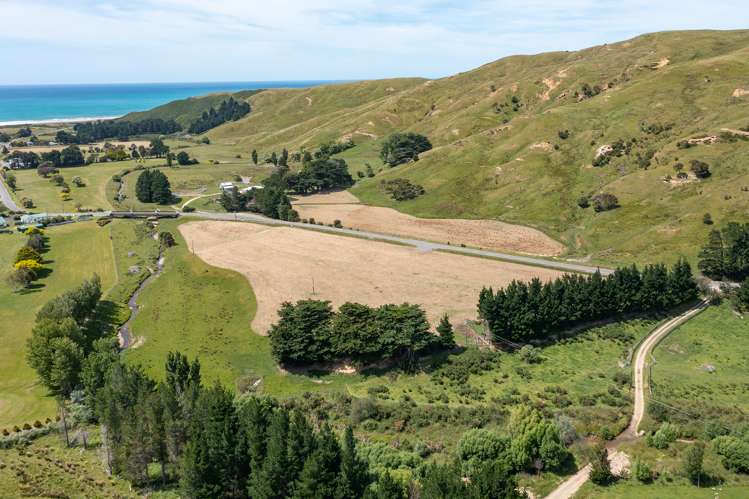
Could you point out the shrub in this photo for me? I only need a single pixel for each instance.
(403, 147)
(583, 202)
(20, 278)
(337, 223)
(479, 446)
(30, 265)
(188, 209)
(734, 453)
(166, 239)
(530, 354)
(401, 189)
(700, 169)
(27, 203)
(665, 435)
(363, 409)
(600, 468)
(707, 219)
(605, 202)
(563, 134)
(642, 472)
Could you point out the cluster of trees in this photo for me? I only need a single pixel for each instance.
(522, 311)
(63, 336)
(726, 253)
(24, 159)
(184, 159)
(328, 149)
(70, 156)
(320, 174)
(401, 189)
(214, 445)
(403, 147)
(27, 265)
(310, 331)
(153, 186)
(228, 110)
(99, 130)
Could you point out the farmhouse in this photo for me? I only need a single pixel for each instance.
(226, 186)
(34, 219)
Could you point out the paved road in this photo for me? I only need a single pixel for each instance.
(569, 487)
(5, 197)
(418, 243)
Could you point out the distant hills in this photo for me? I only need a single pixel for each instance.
(516, 139)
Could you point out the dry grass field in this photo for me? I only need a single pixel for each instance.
(490, 234)
(282, 264)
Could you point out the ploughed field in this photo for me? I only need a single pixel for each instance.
(288, 264)
(490, 234)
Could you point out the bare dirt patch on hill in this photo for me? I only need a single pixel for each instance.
(282, 263)
(489, 234)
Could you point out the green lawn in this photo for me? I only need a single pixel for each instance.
(631, 490)
(76, 252)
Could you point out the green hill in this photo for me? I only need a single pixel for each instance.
(186, 111)
(499, 153)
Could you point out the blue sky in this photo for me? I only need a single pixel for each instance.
(86, 41)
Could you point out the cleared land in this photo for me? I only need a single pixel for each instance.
(490, 234)
(76, 252)
(40, 149)
(284, 264)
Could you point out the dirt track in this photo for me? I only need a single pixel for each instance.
(281, 263)
(489, 234)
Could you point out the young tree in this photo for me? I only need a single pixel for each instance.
(10, 179)
(742, 295)
(354, 476)
(319, 477)
(272, 479)
(445, 330)
(711, 256)
(600, 467)
(254, 156)
(693, 462)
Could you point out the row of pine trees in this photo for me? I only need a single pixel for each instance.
(523, 311)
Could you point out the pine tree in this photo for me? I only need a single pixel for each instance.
(445, 330)
(441, 481)
(712, 259)
(254, 156)
(272, 480)
(354, 476)
(494, 480)
(319, 477)
(301, 442)
(143, 187)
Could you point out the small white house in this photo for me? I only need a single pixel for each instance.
(226, 186)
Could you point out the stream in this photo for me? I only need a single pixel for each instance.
(125, 333)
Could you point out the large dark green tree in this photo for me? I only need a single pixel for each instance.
(403, 147)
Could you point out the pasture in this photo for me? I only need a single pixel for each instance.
(76, 251)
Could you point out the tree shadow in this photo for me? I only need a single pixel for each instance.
(32, 288)
(104, 319)
(44, 272)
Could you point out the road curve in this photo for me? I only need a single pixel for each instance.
(418, 243)
(646, 348)
(569, 487)
(6, 198)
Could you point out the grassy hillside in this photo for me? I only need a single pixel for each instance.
(498, 152)
(185, 111)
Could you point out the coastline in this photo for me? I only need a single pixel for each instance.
(56, 121)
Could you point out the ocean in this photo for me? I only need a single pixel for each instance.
(51, 103)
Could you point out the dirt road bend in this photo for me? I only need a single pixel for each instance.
(569, 487)
(5, 197)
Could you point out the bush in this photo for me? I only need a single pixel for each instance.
(665, 435)
(734, 453)
(605, 202)
(479, 446)
(188, 209)
(401, 189)
(642, 472)
(707, 219)
(30, 265)
(530, 354)
(700, 169)
(563, 134)
(401, 148)
(600, 470)
(166, 239)
(337, 223)
(583, 202)
(20, 278)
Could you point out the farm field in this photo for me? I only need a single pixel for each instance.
(703, 367)
(205, 311)
(76, 251)
(95, 194)
(490, 234)
(286, 264)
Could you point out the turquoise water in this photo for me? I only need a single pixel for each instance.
(30, 103)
